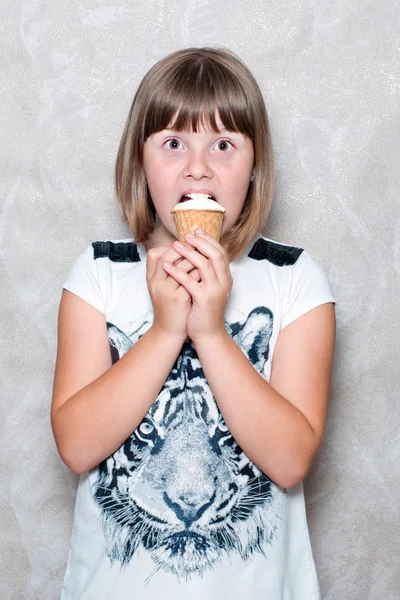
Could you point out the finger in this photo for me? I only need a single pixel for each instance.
(183, 279)
(216, 254)
(169, 255)
(203, 264)
(153, 256)
(195, 275)
(206, 236)
(184, 265)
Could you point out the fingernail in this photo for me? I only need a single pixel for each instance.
(199, 232)
(167, 265)
(178, 245)
(189, 236)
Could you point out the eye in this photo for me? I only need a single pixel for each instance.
(173, 144)
(146, 428)
(223, 145)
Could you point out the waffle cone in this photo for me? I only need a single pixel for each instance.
(187, 221)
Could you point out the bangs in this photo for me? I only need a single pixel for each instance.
(193, 95)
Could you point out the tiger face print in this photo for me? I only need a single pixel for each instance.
(180, 486)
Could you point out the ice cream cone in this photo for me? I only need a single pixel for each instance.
(187, 221)
(199, 212)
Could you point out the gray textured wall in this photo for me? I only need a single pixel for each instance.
(329, 72)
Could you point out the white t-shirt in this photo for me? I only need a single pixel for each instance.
(179, 512)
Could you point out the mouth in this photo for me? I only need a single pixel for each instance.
(197, 196)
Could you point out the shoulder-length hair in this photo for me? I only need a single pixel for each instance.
(183, 91)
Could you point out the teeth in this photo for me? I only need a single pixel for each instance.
(195, 196)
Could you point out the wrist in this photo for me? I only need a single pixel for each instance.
(217, 338)
(170, 337)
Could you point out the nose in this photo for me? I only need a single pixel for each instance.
(198, 165)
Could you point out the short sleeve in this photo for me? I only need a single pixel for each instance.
(309, 288)
(86, 281)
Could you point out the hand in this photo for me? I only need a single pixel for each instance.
(209, 296)
(171, 302)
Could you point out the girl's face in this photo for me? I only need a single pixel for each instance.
(179, 162)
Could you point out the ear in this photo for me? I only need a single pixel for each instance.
(253, 336)
(119, 342)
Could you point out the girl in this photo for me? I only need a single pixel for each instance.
(192, 379)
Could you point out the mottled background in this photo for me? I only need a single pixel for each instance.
(329, 72)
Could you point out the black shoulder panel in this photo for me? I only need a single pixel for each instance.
(119, 252)
(281, 256)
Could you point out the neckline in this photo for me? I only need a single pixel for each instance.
(237, 261)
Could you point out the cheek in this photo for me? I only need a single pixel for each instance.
(157, 178)
(160, 175)
(238, 178)
(238, 187)
(236, 192)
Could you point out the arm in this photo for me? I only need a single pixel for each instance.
(278, 424)
(97, 406)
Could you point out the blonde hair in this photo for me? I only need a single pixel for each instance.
(192, 86)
